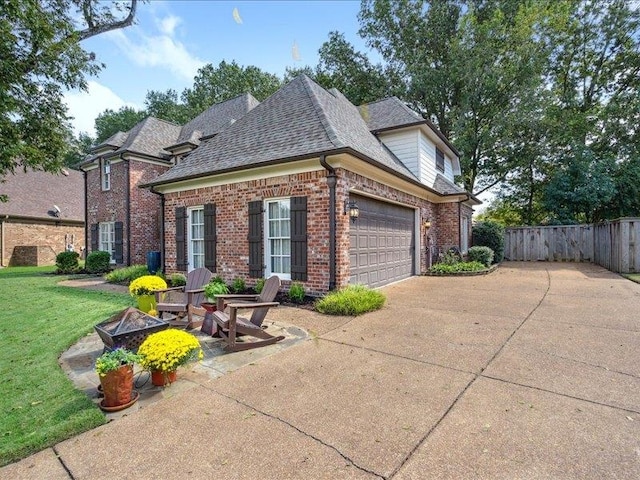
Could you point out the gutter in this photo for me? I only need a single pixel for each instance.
(87, 245)
(128, 209)
(332, 180)
(162, 208)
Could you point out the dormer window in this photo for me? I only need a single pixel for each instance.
(439, 160)
(106, 174)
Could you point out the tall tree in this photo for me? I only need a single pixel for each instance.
(217, 84)
(467, 66)
(165, 105)
(110, 121)
(41, 56)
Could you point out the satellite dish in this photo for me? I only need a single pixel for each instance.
(56, 210)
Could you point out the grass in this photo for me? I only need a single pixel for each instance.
(634, 277)
(352, 300)
(39, 405)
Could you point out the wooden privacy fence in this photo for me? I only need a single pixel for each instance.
(614, 245)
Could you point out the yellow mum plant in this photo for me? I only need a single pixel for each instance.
(169, 349)
(146, 285)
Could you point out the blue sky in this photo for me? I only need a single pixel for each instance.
(172, 39)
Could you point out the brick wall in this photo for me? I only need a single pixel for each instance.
(139, 206)
(232, 221)
(145, 211)
(47, 240)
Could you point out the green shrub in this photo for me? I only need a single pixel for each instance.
(126, 274)
(490, 234)
(450, 258)
(483, 255)
(178, 279)
(67, 262)
(98, 262)
(259, 285)
(238, 285)
(296, 292)
(215, 287)
(353, 300)
(457, 267)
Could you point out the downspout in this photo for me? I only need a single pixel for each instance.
(128, 209)
(86, 216)
(332, 180)
(162, 202)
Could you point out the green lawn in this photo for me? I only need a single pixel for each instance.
(633, 277)
(38, 321)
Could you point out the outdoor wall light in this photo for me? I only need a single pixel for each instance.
(351, 207)
(426, 223)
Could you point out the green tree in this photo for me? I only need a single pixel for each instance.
(77, 148)
(228, 80)
(165, 105)
(110, 121)
(41, 57)
(468, 67)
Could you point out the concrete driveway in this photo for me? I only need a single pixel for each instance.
(530, 372)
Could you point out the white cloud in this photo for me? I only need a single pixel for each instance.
(168, 24)
(163, 50)
(86, 106)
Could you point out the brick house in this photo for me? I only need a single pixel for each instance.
(44, 215)
(123, 219)
(277, 192)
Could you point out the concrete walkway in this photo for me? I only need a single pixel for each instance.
(530, 372)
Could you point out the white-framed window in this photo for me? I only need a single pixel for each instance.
(278, 238)
(195, 237)
(105, 171)
(108, 238)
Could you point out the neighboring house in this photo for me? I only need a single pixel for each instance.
(123, 219)
(43, 217)
(274, 193)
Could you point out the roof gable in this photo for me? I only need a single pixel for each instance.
(388, 113)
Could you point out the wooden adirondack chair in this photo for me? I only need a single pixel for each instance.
(186, 300)
(268, 294)
(230, 326)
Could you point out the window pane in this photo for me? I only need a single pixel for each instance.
(284, 209)
(286, 247)
(273, 210)
(274, 229)
(276, 265)
(284, 228)
(286, 265)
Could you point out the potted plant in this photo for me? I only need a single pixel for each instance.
(215, 287)
(115, 370)
(142, 289)
(163, 352)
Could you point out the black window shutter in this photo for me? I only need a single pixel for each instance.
(181, 238)
(299, 238)
(117, 248)
(94, 237)
(210, 236)
(256, 267)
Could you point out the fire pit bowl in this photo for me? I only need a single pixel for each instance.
(128, 329)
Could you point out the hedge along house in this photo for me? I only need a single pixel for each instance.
(123, 219)
(277, 193)
(43, 216)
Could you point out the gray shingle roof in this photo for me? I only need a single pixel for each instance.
(148, 137)
(442, 185)
(299, 120)
(34, 193)
(216, 118)
(388, 113)
(116, 140)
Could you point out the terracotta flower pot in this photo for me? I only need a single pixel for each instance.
(160, 379)
(117, 387)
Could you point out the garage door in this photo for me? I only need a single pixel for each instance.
(381, 246)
